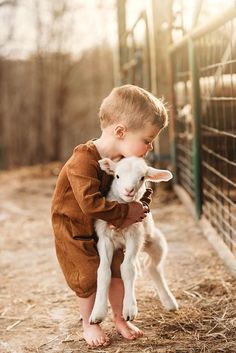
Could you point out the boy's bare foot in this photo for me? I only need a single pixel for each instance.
(127, 330)
(95, 336)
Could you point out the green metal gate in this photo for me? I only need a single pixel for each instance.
(203, 67)
(202, 87)
(135, 49)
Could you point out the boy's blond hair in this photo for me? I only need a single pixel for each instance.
(133, 106)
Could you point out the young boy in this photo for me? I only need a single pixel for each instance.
(130, 119)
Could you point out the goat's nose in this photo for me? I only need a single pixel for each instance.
(129, 190)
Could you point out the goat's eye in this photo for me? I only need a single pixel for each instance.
(117, 176)
(142, 179)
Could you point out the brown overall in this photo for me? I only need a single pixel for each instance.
(79, 198)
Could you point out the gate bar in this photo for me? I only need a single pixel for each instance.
(196, 111)
(213, 24)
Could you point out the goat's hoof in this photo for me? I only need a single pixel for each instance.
(98, 315)
(130, 318)
(130, 314)
(94, 321)
(96, 318)
(171, 305)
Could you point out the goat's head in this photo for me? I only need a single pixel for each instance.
(130, 175)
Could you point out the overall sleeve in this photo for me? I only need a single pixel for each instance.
(82, 172)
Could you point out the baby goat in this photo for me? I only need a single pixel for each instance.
(129, 185)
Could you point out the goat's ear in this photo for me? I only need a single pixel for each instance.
(158, 175)
(107, 165)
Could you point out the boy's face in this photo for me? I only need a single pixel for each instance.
(139, 142)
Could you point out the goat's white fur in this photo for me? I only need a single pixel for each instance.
(129, 185)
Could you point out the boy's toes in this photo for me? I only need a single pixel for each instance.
(104, 341)
(128, 330)
(123, 327)
(95, 337)
(100, 342)
(127, 333)
(138, 333)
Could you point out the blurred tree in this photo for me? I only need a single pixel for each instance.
(50, 99)
(5, 38)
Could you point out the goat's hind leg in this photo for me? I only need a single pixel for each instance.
(106, 250)
(156, 248)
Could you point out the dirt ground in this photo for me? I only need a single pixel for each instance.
(39, 314)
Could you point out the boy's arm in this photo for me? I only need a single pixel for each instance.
(82, 172)
(147, 198)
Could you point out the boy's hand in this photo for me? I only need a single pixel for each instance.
(137, 212)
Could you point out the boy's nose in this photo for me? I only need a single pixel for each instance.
(129, 190)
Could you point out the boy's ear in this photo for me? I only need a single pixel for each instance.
(107, 165)
(158, 175)
(120, 130)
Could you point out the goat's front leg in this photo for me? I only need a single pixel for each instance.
(128, 274)
(106, 250)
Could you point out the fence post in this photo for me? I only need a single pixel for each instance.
(196, 111)
(172, 135)
(121, 17)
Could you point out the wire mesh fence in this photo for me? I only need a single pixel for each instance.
(203, 91)
(183, 121)
(215, 59)
(217, 78)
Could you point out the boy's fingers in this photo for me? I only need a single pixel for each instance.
(113, 227)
